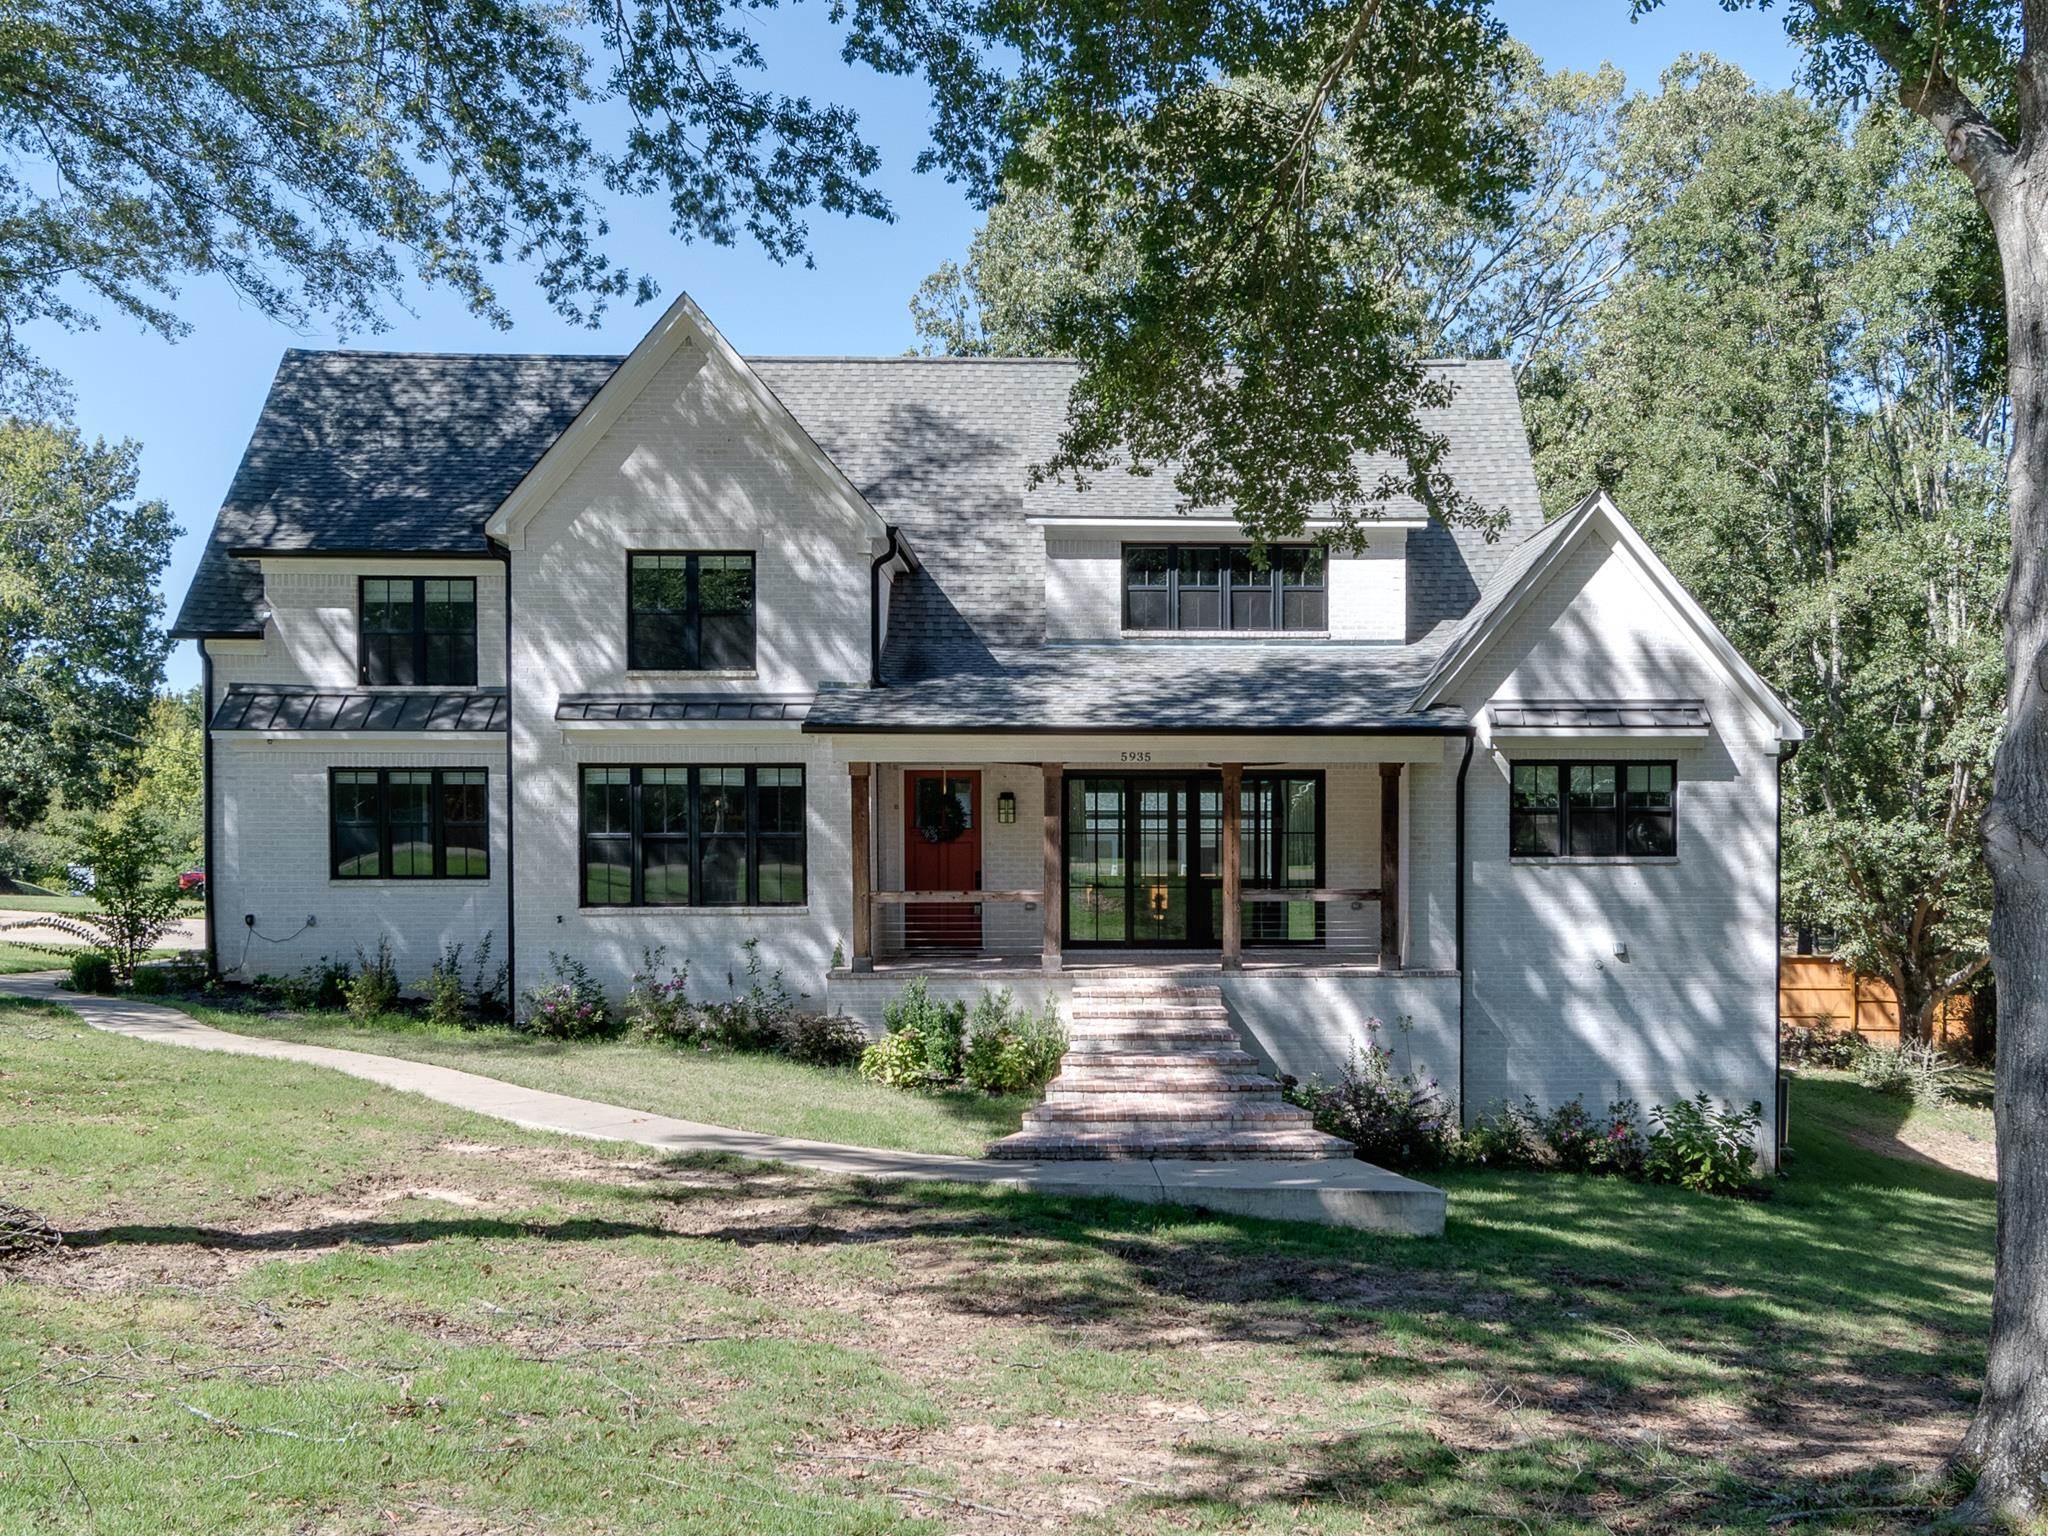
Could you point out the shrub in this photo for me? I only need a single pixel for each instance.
(1507, 1138)
(91, 971)
(1396, 1121)
(657, 1004)
(490, 991)
(1922, 1073)
(928, 1035)
(1571, 1134)
(323, 984)
(896, 1060)
(758, 1018)
(823, 1040)
(570, 1007)
(129, 852)
(1819, 1045)
(1698, 1147)
(1010, 1050)
(447, 995)
(373, 989)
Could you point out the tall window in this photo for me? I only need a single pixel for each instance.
(409, 823)
(689, 612)
(1220, 586)
(1593, 810)
(693, 837)
(418, 629)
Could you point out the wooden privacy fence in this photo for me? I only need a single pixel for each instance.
(1812, 989)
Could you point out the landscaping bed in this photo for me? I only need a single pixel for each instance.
(289, 1300)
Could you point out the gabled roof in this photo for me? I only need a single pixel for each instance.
(680, 324)
(1531, 565)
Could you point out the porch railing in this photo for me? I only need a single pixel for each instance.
(950, 920)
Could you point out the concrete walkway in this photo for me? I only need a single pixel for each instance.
(1347, 1194)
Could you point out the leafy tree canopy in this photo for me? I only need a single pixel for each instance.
(80, 651)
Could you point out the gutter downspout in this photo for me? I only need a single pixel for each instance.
(1786, 752)
(206, 794)
(1464, 766)
(504, 554)
(893, 552)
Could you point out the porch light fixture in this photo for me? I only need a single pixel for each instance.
(1006, 807)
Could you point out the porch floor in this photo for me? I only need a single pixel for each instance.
(1114, 964)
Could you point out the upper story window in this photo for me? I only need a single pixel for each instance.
(1219, 587)
(689, 612)
(1593, 810)
(418, 629)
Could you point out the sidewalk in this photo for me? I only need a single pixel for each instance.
(1348, 1194)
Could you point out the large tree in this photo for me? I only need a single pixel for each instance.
(80, 653)
(1977, 72)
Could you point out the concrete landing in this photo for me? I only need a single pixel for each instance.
(1343, 1194)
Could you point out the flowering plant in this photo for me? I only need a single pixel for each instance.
(570, 1007)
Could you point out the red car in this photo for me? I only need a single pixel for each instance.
(192, 883)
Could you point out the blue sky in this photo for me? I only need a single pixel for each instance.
(191, 404)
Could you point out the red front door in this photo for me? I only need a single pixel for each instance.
(941, 852)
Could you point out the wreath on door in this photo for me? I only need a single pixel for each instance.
(940, 815)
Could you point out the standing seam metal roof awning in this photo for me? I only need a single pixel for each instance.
(680, 708)
(310, 709)
(1600, 715)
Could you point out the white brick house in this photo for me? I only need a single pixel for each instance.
(590, 654)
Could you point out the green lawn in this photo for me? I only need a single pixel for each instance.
(17, 958)
(746, 1092)
(294, 1301)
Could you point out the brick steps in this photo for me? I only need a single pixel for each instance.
(1154, 1070)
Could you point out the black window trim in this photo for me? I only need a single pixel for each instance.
(1224, 589)
(692, 614)
(437, 831)
(419, 634)
(635, 841)
(1564, 766)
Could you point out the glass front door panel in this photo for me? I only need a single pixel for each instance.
(1144, 860)
(1097, 874)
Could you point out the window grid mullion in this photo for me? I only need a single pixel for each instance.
(636, 845)
(692, 794)
(751, 792)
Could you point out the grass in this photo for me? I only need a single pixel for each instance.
(291, 1300)
(17, 958)
(30, 903)
(746, 1091)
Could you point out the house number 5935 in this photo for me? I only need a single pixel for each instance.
(1137, 757)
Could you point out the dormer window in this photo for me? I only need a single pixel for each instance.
(1219, 588)
(417, 630)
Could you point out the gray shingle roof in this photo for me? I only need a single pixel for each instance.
(248, 707)
(380, 450)
(412, 452)
(686, 707)
(1608, 714)
(1188, 686)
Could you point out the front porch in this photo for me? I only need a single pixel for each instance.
(1165, 868)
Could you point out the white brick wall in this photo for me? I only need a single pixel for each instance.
(686, 467)
(1551, 1010)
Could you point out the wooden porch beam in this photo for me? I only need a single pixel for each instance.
(1390, 866)
(1233, 871)
(863, 872)
(1055, 909)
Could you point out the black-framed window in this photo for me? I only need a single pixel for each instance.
(1593, 810)
(689, 611)
(707, 836)
(417, 629)
(1221, 586)
(409, 823)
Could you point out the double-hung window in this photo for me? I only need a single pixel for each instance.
(418, 629)
(689, 612)
(1222, 587)
(409, 823)
(693, 837)
(1593, 810)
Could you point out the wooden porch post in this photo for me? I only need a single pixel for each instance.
(1233, 866)
(1390, 866)
(1055, 901)
(863, 873)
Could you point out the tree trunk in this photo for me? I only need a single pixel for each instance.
(2008, 1440)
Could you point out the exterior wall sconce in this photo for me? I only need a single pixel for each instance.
(1006, 808)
